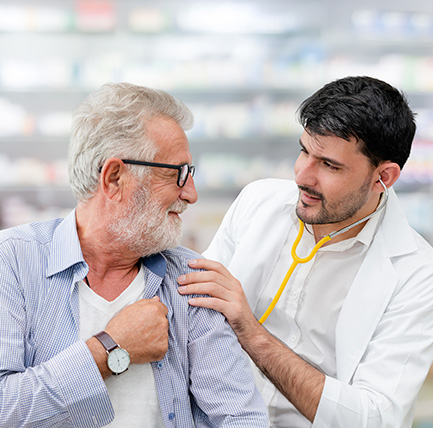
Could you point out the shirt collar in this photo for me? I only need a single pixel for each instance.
(157, 264)
(65, 250)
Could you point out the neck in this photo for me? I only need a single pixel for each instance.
(112, 267)
(321, 230)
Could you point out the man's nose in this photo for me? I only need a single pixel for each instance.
(189, 192)
(304, 172)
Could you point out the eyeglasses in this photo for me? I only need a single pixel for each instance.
(183, 170)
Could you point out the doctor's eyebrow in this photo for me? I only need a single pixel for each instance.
(322, 158)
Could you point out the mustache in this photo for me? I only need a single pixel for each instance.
(311, 192)
(178, 207)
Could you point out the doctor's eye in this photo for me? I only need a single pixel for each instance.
(330, 166)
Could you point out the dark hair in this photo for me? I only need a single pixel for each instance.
(376, 114)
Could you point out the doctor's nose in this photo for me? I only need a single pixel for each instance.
(304, 171)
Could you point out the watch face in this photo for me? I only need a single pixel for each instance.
(118, 360)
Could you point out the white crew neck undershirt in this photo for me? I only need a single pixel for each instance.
(133, 393)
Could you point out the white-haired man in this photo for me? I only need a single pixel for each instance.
(92, 328)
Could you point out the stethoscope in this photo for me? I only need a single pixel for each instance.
(297, 260)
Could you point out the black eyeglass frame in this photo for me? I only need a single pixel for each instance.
(191, 168)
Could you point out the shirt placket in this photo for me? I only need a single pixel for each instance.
(292, 298)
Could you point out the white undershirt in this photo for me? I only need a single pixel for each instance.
(306, 315)
(133, 393)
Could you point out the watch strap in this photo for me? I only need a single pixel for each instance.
(107, 342)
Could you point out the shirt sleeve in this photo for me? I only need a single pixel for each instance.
(63, 389)
(222, 382)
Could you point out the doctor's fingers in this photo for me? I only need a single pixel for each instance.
(210, 265)
(230, 304)
(216, 304)
(209, 288)
(228, 282)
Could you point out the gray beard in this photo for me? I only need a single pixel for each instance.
(144, 228)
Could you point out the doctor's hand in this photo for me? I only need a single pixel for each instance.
(226, 295)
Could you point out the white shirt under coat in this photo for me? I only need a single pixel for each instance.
(306, 315)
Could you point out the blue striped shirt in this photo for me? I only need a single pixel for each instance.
(48, 377)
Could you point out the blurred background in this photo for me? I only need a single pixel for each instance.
(242, 67)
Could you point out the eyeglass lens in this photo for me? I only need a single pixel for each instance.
(183, 174)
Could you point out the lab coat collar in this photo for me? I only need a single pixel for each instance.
(397, 234)
(397, 244)
(361, 313)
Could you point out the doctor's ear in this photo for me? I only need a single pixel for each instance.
(389, 172)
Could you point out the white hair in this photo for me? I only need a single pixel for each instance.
(112, 123)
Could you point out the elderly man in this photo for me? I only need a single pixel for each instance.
(92, 328)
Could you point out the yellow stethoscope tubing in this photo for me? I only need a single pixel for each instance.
(297, 260)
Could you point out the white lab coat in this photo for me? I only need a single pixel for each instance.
(384, 334)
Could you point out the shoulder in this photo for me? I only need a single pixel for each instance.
(178, 257)
(265, 197)
(39, 232)
(416, 263)
(270, 188)
(24, 253)
(181, 253)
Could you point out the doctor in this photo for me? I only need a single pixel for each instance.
(350, 342)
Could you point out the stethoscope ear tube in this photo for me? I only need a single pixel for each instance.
(297, 260)
(381, 205)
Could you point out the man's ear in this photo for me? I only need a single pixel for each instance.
(113, 179)
(389, 172)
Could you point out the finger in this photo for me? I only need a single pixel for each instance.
(208, 288)
(163, 308)
(209, 265)
(225, 280)
(211, 303)
(155, 301)
(202, 276)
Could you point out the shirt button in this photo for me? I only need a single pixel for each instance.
(160, 364)
(294, 295)
(171, 416)
(293, 338)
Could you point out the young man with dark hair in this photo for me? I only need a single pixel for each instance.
(350, 341)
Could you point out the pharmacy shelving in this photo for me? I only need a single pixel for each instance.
(242, 77)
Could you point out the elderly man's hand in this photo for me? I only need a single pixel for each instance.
(141, 329)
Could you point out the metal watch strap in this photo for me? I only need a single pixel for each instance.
(107, 342)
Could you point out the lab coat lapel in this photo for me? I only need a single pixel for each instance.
(372, 289)
(362, 310)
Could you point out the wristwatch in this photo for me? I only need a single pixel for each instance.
(118, 358)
